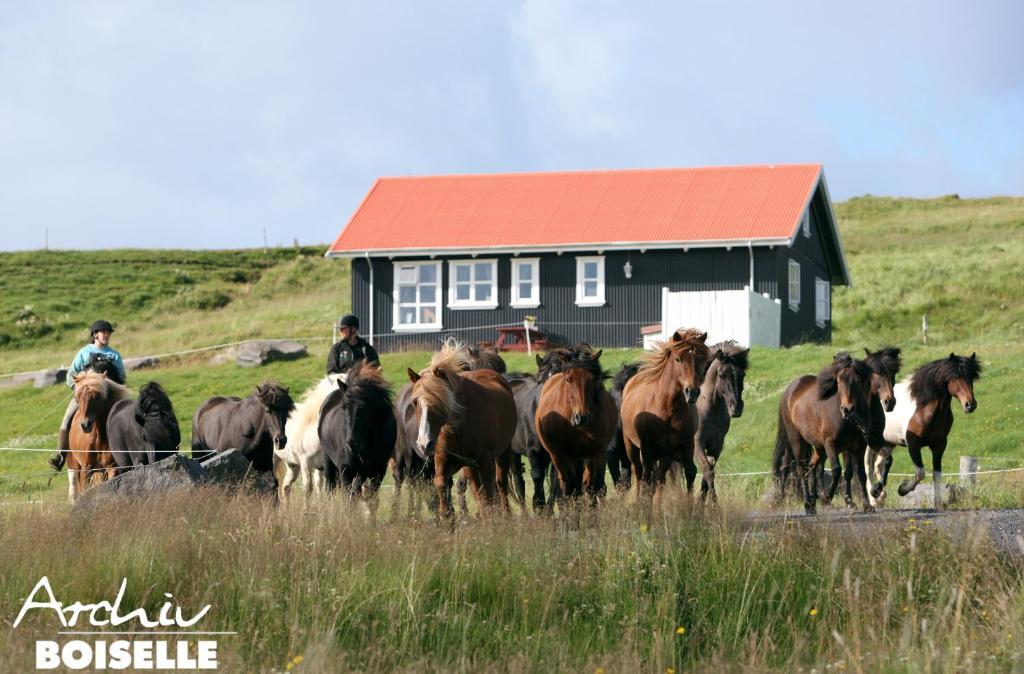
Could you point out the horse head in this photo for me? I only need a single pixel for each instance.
(90, 400)
(277, 405)
(435, 406)
(961, 385)
(689, 359)
(730, 367)
(885, 365)
(850, 380)
(154, 413)
(584, 379)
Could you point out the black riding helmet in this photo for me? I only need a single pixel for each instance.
(350, 321)
(98, 326)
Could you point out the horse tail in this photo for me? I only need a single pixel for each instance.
(781, 447)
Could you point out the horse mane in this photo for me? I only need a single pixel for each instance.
(733, 354)
(886, 361)
(434, 391)
(928, 383)
(623, 376)
(274, 395)
(485, 356)
(366, 382)
(827, 384)
(102, 386)
(653, 364)
(583, 356)
(153, 400)
(307, 410)
(552, 363)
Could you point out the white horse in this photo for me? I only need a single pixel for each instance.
(875, 458)
(302, 453)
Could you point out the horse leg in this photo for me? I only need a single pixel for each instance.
(461, 485)
(807, 475)
(914, 449)
(690, 472)
(848, 462)
(593, 476)
(445, 511)
(330, 474)
(516, 462)
(707, 469)
(938, 449)
(837, 472)
(502, 470)
(484, 486)
(72, 492)
(659, 474)
(372, 501)
(865, 497)
(539, 462)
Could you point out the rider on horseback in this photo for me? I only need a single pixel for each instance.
(97, 356)
(350, 349)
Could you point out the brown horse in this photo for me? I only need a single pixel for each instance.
(659, 409)
(824, 416)
(575, 420)
(464, 419)
(923, 417)
(89, 458)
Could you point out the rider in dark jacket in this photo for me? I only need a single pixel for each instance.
(350, 349)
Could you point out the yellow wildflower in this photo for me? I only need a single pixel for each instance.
(680, 630)
(813, 612)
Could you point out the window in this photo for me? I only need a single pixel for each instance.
(590, 281)
(806, 224)
(526, 282)
(794, 285)
(417, 296)
(822, 301)
(473, 284)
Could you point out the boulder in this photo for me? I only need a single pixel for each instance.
(45, 378)
(131, 364)
(231, 467)
(261, 352)
(924, 495)
(174, 472)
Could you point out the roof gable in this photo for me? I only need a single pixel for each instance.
(566, 210)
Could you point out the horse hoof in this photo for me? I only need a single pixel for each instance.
(904, 489)
(876, 491)
(869, 509)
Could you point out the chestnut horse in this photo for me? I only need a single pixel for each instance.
(89, 458)
(824, 416)
(721, 401)
(659, 414)
(923, 417)
(575, 420)
(464, 419)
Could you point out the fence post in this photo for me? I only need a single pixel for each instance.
(968, 470)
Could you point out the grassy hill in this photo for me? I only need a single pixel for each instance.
(956, 260)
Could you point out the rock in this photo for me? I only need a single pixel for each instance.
(230, 467)
(45, 378)
(261, 352)
(174, 472)
(924, 495)
(131, 364)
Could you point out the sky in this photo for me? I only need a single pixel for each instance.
(204, 124)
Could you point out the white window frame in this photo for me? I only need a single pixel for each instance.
(533, 301)
(395, 294)
(794, 297)
(822, 301)
(597, 301)
(471, 303)
(806, 223)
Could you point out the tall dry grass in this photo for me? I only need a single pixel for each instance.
(718, 590)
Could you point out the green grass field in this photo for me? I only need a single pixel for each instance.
(314, 587)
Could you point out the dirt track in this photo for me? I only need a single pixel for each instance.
(1006, 527)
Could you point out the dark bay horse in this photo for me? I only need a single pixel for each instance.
(824, 416)
(659, 415)
(485, 356)
(721, 401)
(465, 418)
(89, 459)
(254, 426)
(575, 420)
(357, 433)
(923, 416)
(409, 470)
(143, 431)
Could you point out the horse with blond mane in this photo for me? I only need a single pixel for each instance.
(89, 459)
(659, 414)
(465, 418)
(302, 453)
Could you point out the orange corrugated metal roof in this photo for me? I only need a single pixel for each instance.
(552, 210)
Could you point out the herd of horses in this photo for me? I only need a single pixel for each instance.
(465, 421)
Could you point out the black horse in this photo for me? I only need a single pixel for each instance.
(408, 469)
(721, 401)
(357, 433)
(254, 426)
(143, 431)
(618, 463)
